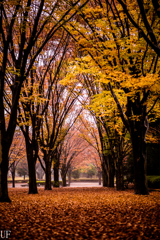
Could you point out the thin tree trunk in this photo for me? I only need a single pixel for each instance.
(99, 177)
(63, 169)
(64, 180)
(111, 171)
(31, 169)
(4, 162)
(69, 176)
(104, 175)
(48, 176)
(56, 173)
(13, 178)
(119, 175)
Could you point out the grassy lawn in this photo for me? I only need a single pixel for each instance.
(81, 213)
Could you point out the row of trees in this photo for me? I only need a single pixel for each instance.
(31, 37)
(119, 68)
(60, 57)
(73, 151)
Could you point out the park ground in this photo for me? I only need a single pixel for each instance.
(81, 213)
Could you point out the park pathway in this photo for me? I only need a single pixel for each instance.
(74, 184)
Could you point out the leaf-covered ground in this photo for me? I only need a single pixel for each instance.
(81, 213)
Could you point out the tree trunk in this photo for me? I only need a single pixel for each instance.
(69, 176)
(140, 163)
(111, 179)
(31, 169)
(119, 175)
(99, 177)
(4, 162)
(138, 130)
(111, 171)
(104, 175)
(64, 180)
(137, 124)
(108, 171)
(64, 173)
(48, 176)
(13, 178)
(13, 169)
(56, 173)
(32, 178)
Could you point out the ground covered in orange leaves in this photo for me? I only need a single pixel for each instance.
(81, 213)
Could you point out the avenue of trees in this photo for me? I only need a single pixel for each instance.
(78, 77)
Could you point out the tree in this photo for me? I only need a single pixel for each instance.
(59, 116)
(25, 27)
(35, 99)
(144, 25)
(22, 169)
(127, 67)
(72, 146)
(111, 132)
(91, 171)
(76, 173)
(16, 153)
(89, 131)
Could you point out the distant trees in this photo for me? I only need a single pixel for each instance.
(71, 148)
(91, 171)
(22, 169)
(16, 153)
(76, 173)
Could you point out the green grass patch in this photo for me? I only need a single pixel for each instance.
(85, 180)
(153, 181)
(42, 182)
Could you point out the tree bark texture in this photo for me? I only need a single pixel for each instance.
(4, 162)
(13, 178)
(137, 124)
(48, 175)
(64, 173)
(140, 161)
(31, 169)
(69, 176)
(138, 129)
(64, 183)
(111, 171)
(119, 175)
(56, 173)
(104, 175)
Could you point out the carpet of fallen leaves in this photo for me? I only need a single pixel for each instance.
(81, 213)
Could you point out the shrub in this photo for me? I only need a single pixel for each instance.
(91, 171)
(153, 181)
(42, 182)
(56, 184)
(76, 173)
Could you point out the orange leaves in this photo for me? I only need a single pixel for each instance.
(82, 213)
